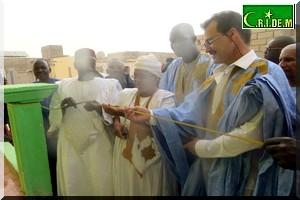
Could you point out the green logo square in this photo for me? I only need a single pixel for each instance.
(268, 16)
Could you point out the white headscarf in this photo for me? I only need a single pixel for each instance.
(149, 63)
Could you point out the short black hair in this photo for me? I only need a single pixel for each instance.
(227, 20)
(39, 60)
(282, 41)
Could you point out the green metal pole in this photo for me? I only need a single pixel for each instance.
(26, 121)
(30, 147)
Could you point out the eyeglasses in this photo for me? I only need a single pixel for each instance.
(209, 42)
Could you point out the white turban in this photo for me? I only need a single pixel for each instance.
(149, 63)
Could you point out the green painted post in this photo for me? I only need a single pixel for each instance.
(26, 121)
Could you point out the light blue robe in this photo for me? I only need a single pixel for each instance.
(263, 83)
(182, 82)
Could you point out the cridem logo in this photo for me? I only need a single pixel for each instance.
(268, 16)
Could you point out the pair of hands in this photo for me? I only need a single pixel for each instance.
(89, 106)
(120, 130)
(128, 113)
(69, 102)
(131, 114)
(282, 149)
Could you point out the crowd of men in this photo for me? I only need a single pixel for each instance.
(215, 123)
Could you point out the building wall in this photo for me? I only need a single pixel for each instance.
(52, 51)
(62, 67)
(19, 69)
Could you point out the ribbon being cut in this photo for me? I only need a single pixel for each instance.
(256, 142)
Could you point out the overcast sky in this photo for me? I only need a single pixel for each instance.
(105, 25)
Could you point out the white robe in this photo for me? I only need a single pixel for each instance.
(84, 150)
(156, 178)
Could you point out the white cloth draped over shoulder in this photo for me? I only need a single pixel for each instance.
(85, 144)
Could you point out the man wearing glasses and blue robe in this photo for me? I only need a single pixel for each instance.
(246, 97)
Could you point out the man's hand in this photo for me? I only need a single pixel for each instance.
(120, 130)
(7, 129)
(93, 106)
(113, 110)
(283, 151)
(137, 117)
(191, 146)
(66, 103)
(52, 133)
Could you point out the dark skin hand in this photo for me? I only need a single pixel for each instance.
(283, 151)
(52, 134)
(120, 130)
(113, 110)
(66, 103)
(190, 146)
(93, 106)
